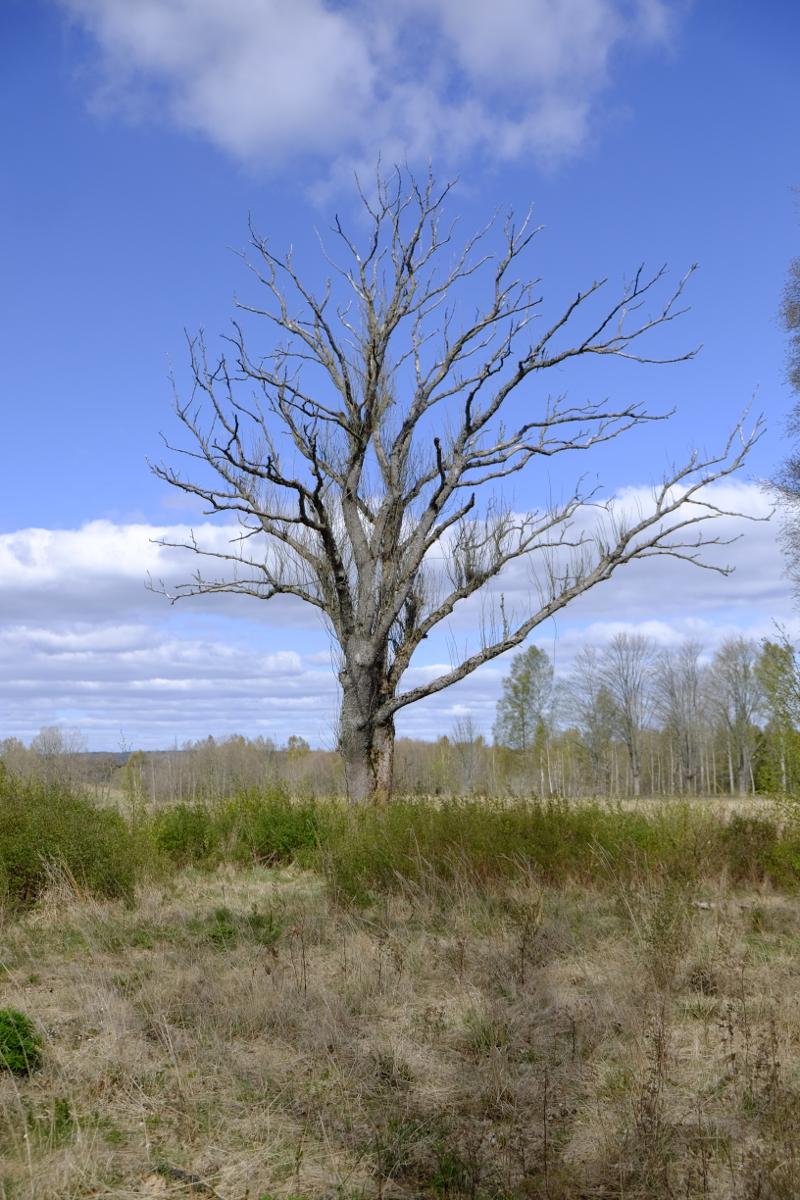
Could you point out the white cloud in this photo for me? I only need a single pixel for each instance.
(104, 567)
(266, 80)
(83, 644)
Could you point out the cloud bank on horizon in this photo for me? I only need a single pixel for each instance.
(85, 645)
(268, 81)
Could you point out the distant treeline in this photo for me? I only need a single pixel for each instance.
(629, 719)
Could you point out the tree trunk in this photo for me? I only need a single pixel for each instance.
(368, 752)
(744, 772)
(356, 752)
(636, 767)
(383, 762)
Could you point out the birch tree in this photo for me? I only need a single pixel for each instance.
(626, 671)
(360, 447)
(779, 680)
(735, 695)
(677, 683)
(591, 707)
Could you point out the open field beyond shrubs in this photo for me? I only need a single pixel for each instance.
(264, 998)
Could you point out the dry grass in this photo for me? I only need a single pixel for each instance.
(238, 1035)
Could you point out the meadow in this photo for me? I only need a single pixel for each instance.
(266, 996)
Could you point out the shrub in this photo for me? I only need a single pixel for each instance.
(750, 843)
(369, 851)
(783, 863)
(269, 827)
(187, 835)
(20, 1043)
(42, 824)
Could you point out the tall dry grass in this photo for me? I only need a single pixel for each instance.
(454, 1001)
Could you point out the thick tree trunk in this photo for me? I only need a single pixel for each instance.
(368, 752)
(383, 762)
(355, 748)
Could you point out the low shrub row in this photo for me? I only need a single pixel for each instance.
(377, 850)
(254, 827)
(365, 852)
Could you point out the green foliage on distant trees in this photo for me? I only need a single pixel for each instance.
(778, 676)
(524, 708)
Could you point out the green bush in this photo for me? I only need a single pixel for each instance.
(20, 1043)
(750, 843)
(364, 852)
(269, 827)
(42, 825)
(266, 827)
(369, 851)
(188, 835)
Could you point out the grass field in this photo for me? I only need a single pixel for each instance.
(414, 1011)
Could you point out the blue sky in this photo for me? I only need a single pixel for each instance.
(141, 137)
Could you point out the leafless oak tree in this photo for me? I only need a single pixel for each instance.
(364, 440)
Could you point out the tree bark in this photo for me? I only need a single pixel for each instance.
(367, 748)
(357, 755)
(636, 771)
(744, 773)
(383, 762)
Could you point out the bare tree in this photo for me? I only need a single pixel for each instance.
(590, 705)
(627, 673)
(469, 753)
(677, 680)
(57, 753)
(735, 696)
(356, 450)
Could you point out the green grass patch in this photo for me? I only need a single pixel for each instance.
(20, 1043)
(225, 928)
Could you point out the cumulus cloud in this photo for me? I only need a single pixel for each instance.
(266, 80)
(105, 567)
(85, 645)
